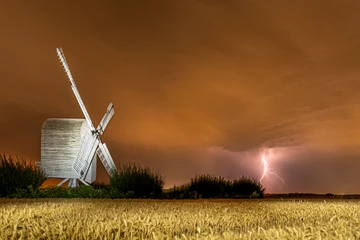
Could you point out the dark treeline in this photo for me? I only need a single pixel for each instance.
(18, 179)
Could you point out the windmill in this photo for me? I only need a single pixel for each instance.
(69, 146)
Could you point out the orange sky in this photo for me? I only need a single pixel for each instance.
(198, 86)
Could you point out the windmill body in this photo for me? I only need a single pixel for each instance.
(60, 143)
(69, 147)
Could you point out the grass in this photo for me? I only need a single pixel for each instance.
(179, 219)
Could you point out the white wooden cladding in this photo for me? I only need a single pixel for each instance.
(60, 144)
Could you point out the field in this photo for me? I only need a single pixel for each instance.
(181, 219)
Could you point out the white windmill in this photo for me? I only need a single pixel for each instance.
(69, 146)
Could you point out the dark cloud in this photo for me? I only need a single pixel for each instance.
(188, 76)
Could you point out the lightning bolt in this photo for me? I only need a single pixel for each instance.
(266, 170)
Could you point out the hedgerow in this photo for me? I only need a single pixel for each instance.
(22, 180)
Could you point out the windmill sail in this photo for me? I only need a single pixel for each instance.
(73, 87)
(106, 159)
(105, 120)
(85, 154)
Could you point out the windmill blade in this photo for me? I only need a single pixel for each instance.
(106, 159)
(73, 87)
(87, 150)
(106, 119)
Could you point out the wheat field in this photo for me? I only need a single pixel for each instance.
(179, 219)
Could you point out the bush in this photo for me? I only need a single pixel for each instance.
(133, 181)
(53, 192)
(84, 191)
(181, 192)
(81, 191)
(244, 187)
(100, 185)
(208, 186)
(254, 195)
(18, 177)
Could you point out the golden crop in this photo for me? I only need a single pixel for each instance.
(178, 219)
